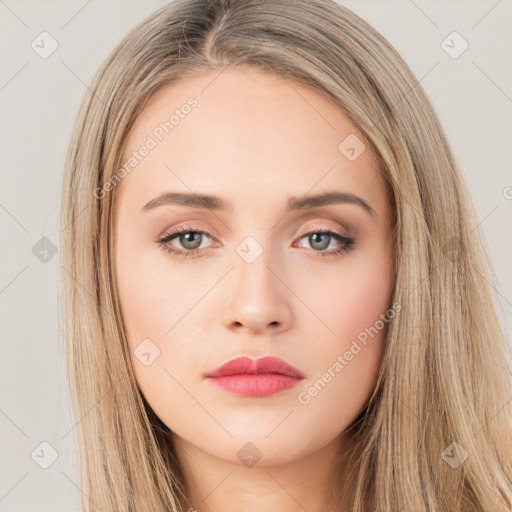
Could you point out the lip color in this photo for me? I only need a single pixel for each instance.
(263, 384)
(255, 377)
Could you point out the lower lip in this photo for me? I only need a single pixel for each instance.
(264, 384)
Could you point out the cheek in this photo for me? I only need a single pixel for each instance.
(155, 304)
(151, 302)
(351, 297)
(356, 306)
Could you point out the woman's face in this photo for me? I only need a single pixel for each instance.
(266, 269)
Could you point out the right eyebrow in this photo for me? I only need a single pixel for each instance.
(204, 201)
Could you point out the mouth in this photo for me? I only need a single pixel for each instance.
(255, 377)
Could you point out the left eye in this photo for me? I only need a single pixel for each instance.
(190, 240)
(320, 240)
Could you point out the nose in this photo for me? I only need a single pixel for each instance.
(258, 299)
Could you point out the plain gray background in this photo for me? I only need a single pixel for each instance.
(39, 99)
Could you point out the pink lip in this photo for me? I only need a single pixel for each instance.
(256, 377)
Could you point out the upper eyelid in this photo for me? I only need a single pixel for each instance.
(343, 230)
(186, 229)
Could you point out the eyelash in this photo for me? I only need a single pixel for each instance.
(347, 242)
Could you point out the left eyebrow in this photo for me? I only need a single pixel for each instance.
(328, 198)
(209, 202)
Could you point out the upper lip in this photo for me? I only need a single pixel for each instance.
(248, 365)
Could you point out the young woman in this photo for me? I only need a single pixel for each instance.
(276, 297)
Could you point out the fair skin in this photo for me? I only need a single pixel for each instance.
(255, 140)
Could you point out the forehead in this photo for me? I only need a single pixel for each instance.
(248, 134)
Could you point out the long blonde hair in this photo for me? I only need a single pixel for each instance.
(443, 391)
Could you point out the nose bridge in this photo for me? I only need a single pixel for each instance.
(254, 260)
(258, 297)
